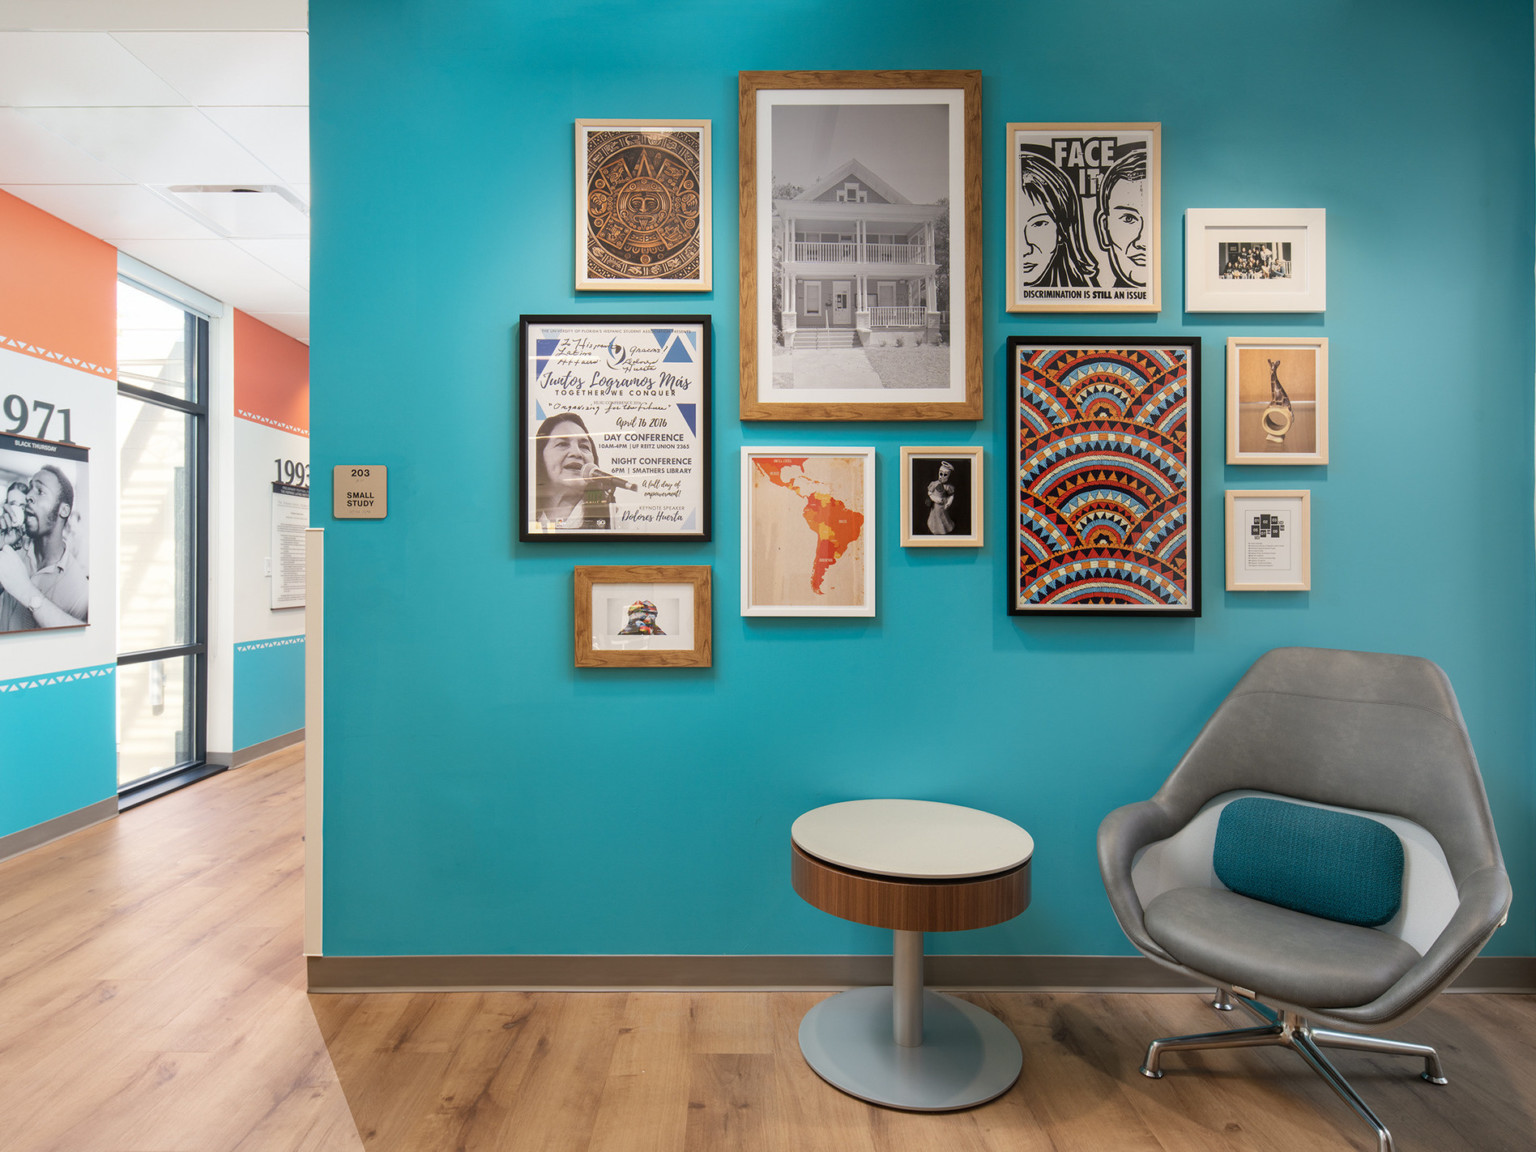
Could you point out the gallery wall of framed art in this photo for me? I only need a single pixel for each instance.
(419, 298)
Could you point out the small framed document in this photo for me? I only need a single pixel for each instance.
(1269, 541)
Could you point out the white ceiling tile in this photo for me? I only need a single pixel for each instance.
(278, 137)
(224, 272)
(289, 257)
(54, 69)
(229, 68)
(155, 14)
(113, 212)
(30, 154)
(156, 145)
(295, 324)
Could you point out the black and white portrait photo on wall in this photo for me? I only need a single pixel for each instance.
(941, 491)
(860, 245)
(1255, 260)
(1083, 223)
(615, 428)
(643, 205)
(44, 561)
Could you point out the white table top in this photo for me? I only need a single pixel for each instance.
(919, 839)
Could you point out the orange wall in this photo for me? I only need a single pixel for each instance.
(271, 376)
(58, 297)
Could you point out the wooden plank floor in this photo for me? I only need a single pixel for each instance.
(151, 1000)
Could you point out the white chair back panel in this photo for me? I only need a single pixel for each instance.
(1184, 861)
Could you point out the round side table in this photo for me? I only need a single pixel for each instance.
(913, 866)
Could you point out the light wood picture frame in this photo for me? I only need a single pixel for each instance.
(1255, 260)
(643, 616)
(808, 531)
(941, 496)
(1277, 400)
(1085, 217)
(643, 206)
(1269, 540)
(861, 294)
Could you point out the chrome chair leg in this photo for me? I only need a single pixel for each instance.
(1235, 1038)
(1434, 1072)
(1223, 999)
(1303, 1044)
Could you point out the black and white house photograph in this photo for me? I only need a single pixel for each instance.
(941, 491)
(44, 560)
(861, 247)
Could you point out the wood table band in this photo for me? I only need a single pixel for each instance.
(910, 905)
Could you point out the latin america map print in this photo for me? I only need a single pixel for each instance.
(1104, 477)
(807, 544)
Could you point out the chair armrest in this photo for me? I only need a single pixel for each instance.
(1122, 834)
(1485, 898)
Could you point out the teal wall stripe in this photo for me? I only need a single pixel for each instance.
(59, 735)
(269, 689)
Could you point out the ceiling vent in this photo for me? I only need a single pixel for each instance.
(242, 211)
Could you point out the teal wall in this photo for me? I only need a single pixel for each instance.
(269, 689)
(60, 747)
(482, 796)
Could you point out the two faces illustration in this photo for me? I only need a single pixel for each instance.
(1053, 240)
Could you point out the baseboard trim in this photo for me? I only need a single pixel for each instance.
(794, 973)
(265, 748)
(40, 834)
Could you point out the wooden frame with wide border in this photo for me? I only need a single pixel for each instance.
(960, 398)
(1080, 171)
(644, 653)
(1277, 419)
(910, 538)
(814, 537)
(1304, 287)
(647, 418)
(659, 183)
(1104, 476)
(1299, 502)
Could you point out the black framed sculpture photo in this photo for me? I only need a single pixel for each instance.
(1104, 480)
(614, 418)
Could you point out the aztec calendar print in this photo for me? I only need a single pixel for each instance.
(643, 205)
(1104, 481)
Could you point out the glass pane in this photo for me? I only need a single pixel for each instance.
(154, 529)
(154, 730)
(152, 343)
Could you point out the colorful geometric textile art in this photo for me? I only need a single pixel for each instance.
(1105, 497)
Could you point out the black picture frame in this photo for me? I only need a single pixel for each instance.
(1104, 476)
(637, 389)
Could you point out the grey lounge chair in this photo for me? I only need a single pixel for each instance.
(1376, 735)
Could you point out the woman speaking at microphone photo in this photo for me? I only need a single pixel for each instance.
(571, 491)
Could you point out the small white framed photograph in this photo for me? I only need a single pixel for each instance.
(941, 490)
(807, 531)
(1277, 400)
(1255, 260)
(1269, 541)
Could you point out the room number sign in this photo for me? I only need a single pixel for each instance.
(360, 491)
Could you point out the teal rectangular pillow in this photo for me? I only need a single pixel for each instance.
(1335, 865)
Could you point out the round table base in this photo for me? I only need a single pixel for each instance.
(967, 1056)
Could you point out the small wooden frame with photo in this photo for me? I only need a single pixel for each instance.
(643, 206)
(1277, 400)
(1255, 260)
(1269, 540)
(941, 496)
(643, 616)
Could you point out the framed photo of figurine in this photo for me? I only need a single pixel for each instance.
(861, 245)
(1277, 400)
(941, 490)
(808, 531)
(1255, 260)
(1104, 484)
(1084, 211)
(643, 206)
(1269, 541)
(643, 616)
(614, 428)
